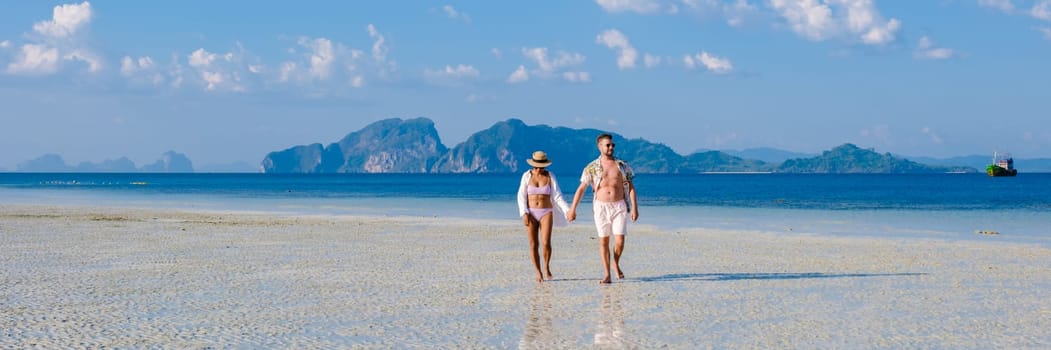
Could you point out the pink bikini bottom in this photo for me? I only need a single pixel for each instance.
(539, 213)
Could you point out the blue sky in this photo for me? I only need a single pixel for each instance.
(229, 81)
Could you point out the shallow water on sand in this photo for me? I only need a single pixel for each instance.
(948, 206)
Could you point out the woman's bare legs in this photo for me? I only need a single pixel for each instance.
(545, 241)
(532, 231)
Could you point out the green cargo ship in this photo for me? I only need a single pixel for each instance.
(1003, 165)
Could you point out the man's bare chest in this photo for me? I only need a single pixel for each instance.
(611, 175)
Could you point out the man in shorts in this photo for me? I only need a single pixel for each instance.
(611, 181)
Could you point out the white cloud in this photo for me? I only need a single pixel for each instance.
(820, 20)
(881, 34)
(212, 79)
(56, 43)
(711, 63)
(1002, 5)
(379, 50)
(66, 20)
(936, 54)
(926, 50)
(565, 59)
(1042, 10)
(614, 39)
(321, 57)
(737, 11)
(638, 6)
(539, 55)
(288, 71)
(809, 18)
(933, 135)
(220, 72)
(141, 70)
(519, 75)
(577, 77)
(689, 61)
(450, 74)
(458, 72)
(476, 98)
(497, 53)
(546, 67)
(201, 58)
(651, 61)
(94, 62)
(34, 59)
(454, 14)
(129, 66)
(716, 64)
(176, 72)
(734, 11)
(1046, 31)
(320, 60)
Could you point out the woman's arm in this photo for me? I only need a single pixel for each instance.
(523, 197)
(556, 194)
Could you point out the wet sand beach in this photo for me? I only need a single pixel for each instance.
(77, 277)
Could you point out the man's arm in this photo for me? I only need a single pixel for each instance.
(634, 202)
(572, 215)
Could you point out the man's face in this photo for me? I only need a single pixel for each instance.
(605, 146)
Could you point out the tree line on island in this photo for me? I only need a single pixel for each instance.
(413, 146)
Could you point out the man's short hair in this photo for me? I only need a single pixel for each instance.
(603, 136)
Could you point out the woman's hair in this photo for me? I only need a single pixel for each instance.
(603, 136)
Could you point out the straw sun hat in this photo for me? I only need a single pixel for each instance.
(539, 160)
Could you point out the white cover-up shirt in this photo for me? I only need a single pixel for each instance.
(560, 205)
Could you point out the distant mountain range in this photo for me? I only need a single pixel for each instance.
(767, 154)
(170, 162)
(413, 146)
(396, 145)
(386, 146)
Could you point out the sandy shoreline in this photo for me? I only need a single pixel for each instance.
(114, 277)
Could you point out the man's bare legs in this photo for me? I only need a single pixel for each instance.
(604, 242)
(618, 248)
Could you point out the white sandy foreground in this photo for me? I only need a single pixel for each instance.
(108, 277)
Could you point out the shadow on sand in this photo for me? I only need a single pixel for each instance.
(761, 276)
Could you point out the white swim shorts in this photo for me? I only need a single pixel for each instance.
(611, 218)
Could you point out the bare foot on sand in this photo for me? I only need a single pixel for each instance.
(606, 280)
(539, 278)
(620, 274)
(549, 276)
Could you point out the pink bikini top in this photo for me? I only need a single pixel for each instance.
(538, 190)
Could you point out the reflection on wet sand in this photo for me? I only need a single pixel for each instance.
(610, 331)
(540, 332)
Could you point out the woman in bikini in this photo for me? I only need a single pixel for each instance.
(541, 205)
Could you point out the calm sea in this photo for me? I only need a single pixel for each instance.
(951, 206)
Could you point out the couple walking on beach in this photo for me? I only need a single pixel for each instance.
(540, 199)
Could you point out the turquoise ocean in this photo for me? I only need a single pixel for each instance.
(905, 206)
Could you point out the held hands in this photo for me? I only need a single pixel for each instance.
(571, 215)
